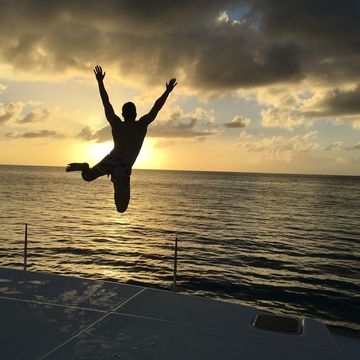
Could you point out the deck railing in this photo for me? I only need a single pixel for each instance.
(25, 247)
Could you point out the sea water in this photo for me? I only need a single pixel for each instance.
(288, 244)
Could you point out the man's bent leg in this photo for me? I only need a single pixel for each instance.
(100, 169)
(121, 192)
(91, 174)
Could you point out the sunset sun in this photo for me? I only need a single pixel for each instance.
(98, 151)
(148, 157)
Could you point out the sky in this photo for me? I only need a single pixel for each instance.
(263, 86)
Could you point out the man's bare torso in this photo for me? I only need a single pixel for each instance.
(128, 138)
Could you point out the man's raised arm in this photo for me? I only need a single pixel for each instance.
(148, 118)
(109, 111)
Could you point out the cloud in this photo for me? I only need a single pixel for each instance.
(199, 123)
(10, 111)
(245, 136)
(335, 102)
(238, 122)
(38, 115)
(337, 145)
(354, 147)
(302, 105)
(173, 129)
(13, 112)
(98, 135)
(35, 134)
(354, 121)
(282, 107)
(280, 147)
(223, 17)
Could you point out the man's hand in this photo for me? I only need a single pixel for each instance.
(99, 74)
(171, 84)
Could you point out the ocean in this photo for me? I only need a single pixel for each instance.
(288, 244)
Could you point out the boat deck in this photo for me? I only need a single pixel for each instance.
(47, 316)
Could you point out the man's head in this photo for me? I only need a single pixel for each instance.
(129, 111)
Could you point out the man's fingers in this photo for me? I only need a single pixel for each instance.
(98, 71)
(172, 83)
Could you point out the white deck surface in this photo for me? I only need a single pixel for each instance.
(46, 316)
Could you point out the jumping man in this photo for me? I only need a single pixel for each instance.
(128, 136)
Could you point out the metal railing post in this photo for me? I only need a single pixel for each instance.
(25, 247)
(175, 265)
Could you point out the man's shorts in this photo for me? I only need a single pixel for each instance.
(119, 170)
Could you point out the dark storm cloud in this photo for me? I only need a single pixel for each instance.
(143, 38)
(34, 134)
(255, 43)
(337, 102)
(327, 30)
(328, 24)
(268, 44)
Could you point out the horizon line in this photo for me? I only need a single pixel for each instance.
(208, 171)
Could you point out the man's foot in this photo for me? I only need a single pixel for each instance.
(77, 167)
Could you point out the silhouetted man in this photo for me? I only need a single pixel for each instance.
(128, 136)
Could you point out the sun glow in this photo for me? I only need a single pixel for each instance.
(99, 150)
(149, 157)
(145, 158)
